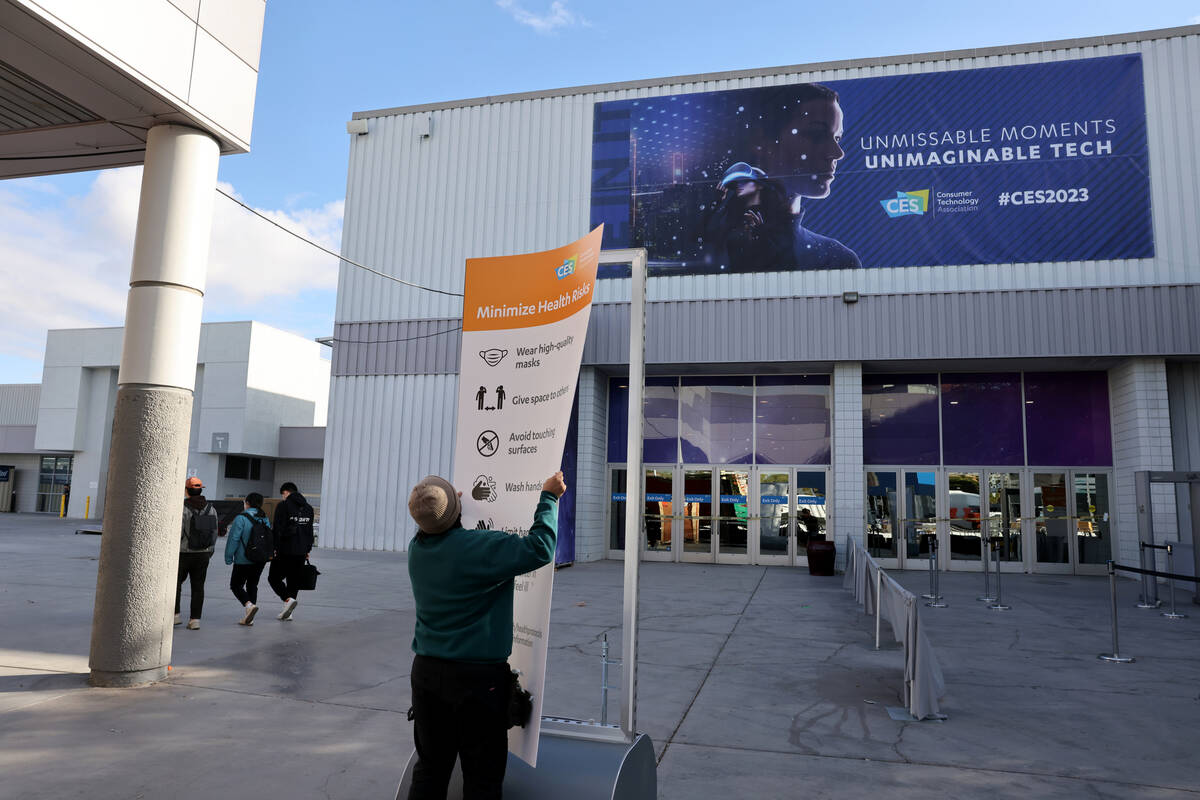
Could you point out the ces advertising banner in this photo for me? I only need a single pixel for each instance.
(525, 318)
(1042, 162)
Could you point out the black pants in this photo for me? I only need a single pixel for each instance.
(194, 566)
(459, 710)
(282, 576)
(244, 582)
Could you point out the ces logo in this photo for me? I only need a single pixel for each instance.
(567, 268)
(906, 203)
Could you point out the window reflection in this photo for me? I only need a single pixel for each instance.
(1092, 534)
(773, 498)
(966, 518)
(900, 419)
(1051, 524)
(881, 514)
(716, 422)
(792, 421)
(920, 502)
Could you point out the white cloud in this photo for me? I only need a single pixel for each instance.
(65, 263)
(558, 16)
(1194, 20)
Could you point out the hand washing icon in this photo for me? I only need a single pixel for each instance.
(493, 357)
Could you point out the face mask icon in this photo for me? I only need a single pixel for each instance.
(493, 357)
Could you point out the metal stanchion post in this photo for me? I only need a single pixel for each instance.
(605, 663)
(932, 593)
(1149, 597)
(604, 680)
(1115, 656)
(1172, 614)
(878, 603)
(936, 601)
(986, 597)
(999, 604)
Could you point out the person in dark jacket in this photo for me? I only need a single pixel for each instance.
(462, 583)
(244, 579)
(293, 542)
(197, 540)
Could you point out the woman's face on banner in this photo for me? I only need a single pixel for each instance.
(810, 149)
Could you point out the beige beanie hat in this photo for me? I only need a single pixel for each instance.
(434, 504)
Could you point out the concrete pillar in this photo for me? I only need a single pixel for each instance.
(591, 499)
(1141, 429)
(847, 492)
(143, 507)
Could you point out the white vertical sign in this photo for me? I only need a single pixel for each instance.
(525, 318)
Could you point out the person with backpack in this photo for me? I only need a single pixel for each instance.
(293, 542)
(249, 545)
(197, 540)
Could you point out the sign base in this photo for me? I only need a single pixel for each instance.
(576, 759)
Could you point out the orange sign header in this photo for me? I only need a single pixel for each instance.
(530, 289)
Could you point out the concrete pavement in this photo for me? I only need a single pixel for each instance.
(754, 682)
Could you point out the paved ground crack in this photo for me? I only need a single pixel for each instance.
(683, 717)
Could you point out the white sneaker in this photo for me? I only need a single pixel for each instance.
(178, 619)
(193, 624)
(251, 610)
(288, 607)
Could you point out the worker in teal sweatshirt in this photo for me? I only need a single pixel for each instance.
(462, 583)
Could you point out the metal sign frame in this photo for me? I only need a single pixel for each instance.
(634, 535)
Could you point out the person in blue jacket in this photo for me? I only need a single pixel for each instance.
(244, 580)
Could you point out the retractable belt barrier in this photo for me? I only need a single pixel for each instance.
(1115, 656)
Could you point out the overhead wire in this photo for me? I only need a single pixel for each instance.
(392, 341)
(335, 254)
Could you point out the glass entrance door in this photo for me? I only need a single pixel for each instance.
(920, 517)
(733, 519)
(1004, 518)
(812, 512)
(696, 514)
(882, 517)
(774, 526)
(1051, 522)
(658, 518)
(964, 520)
(1093, 527)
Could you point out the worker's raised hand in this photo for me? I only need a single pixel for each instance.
(555, 484)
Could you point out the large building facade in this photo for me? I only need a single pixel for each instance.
(258, 418)
(924, 367)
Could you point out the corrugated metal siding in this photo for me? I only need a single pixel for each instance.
(1099, 322)
(19, 403)
(412, 347)
(514, 176)
(1183, 387)
(384, 434)
(27, 469)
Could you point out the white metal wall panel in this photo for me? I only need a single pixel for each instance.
(514, 175)
(27, 467)
(1043, 323)
(385, 433)
(19, 403)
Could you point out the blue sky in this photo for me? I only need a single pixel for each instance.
(321, 61)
